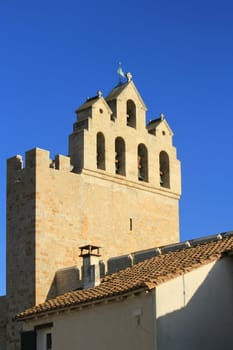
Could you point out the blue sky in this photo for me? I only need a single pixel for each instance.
(56, 53)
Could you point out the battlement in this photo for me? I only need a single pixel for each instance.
(38, 158)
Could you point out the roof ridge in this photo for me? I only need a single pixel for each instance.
(145, 275)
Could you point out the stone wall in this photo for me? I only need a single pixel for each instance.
(20, 257)
(73, 210)
(3, 316)
(56, 206)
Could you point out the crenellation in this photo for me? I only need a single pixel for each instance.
(62, 163)
(14, 170)
(37, 158)
(15, 163)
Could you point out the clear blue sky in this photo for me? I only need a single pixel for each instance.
(56, 53)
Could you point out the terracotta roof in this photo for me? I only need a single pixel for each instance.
(143, 276)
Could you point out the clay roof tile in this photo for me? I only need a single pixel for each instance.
(146, 274)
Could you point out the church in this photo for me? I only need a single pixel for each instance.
(93, 252)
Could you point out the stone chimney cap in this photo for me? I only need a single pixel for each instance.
(89, 250)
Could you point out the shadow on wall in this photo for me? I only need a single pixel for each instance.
(65, 280)
(206, 322)
(68, 279)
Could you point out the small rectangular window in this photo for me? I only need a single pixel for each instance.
(48, 341)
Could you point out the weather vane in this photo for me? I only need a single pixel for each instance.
(120, 73)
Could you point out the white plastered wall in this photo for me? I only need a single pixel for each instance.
(195, 311)
(123, 324)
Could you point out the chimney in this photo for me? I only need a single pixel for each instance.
(91, 266)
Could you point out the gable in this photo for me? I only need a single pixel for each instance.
(102, 105)
(159, 124)
(127, 91)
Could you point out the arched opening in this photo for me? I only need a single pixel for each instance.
(120, 156)
(131, 114)
(100, 151)
(142, 163)
(164, 169)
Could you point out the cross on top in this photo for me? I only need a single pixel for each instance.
(129, 76)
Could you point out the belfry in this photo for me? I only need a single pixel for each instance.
(118, 189)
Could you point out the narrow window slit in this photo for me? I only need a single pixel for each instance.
(131, 224)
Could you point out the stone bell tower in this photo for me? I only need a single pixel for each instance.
(119, 189)
(130, 170)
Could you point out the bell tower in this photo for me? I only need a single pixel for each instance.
(132, 171)
(118, 189)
